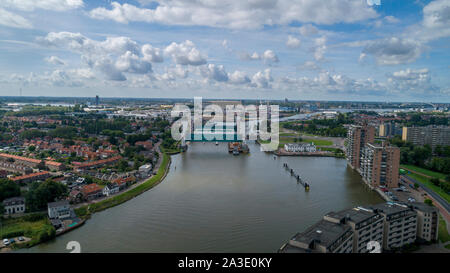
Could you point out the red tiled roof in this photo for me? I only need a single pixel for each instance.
(20, 158)
(99, 162)
(29, 176)
(90, 189)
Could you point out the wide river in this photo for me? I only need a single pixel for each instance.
(212, 201)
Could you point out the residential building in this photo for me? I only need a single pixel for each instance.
(14, 205)
(31, 162)
(379, 165)
(300, 147)
(323, 237)
(31, 177)
(389, 129)
(59, 210)
(110, 189)
(432, 135)
(75, 196)
(145, 170)
(92, 191)
(13, 167)
(427, 221)
(366, 226)
(357, 137)
(96, 164)
(124, 182)
(400, 224)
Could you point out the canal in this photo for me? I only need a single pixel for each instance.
(212, 201)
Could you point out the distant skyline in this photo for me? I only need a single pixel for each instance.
(343, 50)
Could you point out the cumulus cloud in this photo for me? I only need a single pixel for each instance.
(262, 79)
(58, 78)
(410, 80)
(292, 42)
(215, 72)
(308, 30)
(113, 57)
(268, 56)
(10, 19)
(239, 77)
(436, 21)
(393, 51)
(238, 14)
(320, 48)
(185, 53)
(30, 5)
(55, 60)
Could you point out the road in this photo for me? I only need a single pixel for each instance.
(436, 196)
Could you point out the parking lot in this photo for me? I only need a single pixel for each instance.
(16, 241)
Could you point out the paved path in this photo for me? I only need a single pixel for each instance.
(430, 192)
(438, 201)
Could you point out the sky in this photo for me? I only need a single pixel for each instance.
(352, 50)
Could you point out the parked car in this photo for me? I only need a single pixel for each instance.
(20, 238)
(410, 199)
(12, 241)
(5, 242)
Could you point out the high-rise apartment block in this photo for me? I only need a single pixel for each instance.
(389, 129)
(427, 222)
(431, 135)
(400, 224)
(379, 165)
(323, 237)
(391, 225)
(366, 226)
(357, 137)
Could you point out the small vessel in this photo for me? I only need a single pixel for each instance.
(217, 143)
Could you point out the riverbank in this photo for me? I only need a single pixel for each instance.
(42, 231)
(87, 210)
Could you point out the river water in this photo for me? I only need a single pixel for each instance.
(212, 201)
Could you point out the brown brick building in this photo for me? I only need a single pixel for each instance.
(357, 137)
(379, 165)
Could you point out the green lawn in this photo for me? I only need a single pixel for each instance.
(24, 226)
(424, 171)
(443, 232)
(430, 185)
(318, 142)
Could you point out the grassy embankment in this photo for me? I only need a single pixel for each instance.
(443, 235)
(426, 181)
(87, 210)
(424, 171)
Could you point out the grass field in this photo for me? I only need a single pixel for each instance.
(424, 171)
(318, 142)
(426, 182)
(443, 232)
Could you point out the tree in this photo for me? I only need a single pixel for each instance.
(39, 194)
(428, 202)
(31, 148)
(8, 189)
(435, 181)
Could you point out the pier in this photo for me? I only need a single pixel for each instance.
(296, 176)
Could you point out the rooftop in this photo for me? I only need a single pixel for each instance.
(323, 232)
(356, 215)
(58, 204)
